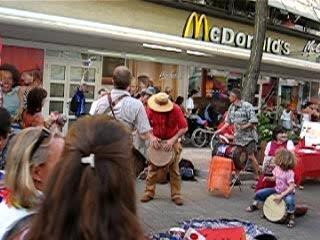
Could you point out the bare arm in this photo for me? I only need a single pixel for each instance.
(289, 190)
(179, 134)
(272, 179)
(224, 126)
(169, 144)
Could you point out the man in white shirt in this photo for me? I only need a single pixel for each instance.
(102, 92)
(130, 111)
(189, 102)
(127, 109)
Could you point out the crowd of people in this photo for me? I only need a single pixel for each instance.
(95, 162)
(82, 186)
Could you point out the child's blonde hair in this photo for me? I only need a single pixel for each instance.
(285, 159)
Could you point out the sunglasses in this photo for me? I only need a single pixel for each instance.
(45, 133)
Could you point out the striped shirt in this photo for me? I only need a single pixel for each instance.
(242, 114)
(128, 110)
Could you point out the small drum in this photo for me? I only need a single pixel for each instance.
(159, 157)
(236, 153)
(273, 211)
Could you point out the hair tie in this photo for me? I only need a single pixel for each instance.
(88, 160)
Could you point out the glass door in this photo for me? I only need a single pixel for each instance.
(62, 80)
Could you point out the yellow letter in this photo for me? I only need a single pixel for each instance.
(194, 25)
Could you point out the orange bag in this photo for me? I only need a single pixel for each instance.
(220, 175)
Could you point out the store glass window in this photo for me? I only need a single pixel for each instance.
(77, 73)
(305, 92)
(73, 89)
(315, 90)
(195, 79)
(90, 92)
(56, 106)
(109, 64)
(58, 72)
(91, 75)
(56, 90)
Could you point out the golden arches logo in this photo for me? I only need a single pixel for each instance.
(195, 25)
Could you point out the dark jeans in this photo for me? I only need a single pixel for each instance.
(290, 199)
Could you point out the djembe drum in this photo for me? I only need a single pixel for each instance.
(273, 211)
(162, 160)
(159, 157)
(236, 153)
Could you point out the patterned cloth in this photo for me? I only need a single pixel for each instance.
(283, 179)
(239, 115)
(252, 230)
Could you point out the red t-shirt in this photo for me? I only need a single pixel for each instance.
(229, 130)
(166, 125)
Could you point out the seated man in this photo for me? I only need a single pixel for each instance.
(199, 120)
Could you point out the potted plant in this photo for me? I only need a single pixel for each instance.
(265, 129)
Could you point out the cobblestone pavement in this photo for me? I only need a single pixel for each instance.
(161, 214)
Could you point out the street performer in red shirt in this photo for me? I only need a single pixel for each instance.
(169, 124)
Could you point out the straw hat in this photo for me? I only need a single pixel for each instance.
(160, 102)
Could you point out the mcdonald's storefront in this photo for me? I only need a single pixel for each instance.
(174, 47)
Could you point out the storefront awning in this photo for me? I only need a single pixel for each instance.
(306, 8)
(31, 26)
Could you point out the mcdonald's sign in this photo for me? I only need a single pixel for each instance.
(197, 24)
(197, 27)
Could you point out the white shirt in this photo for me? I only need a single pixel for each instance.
(305, 117)
(189, 103)
(286, 118)
(129, 110)
(93, 107)
(9, 216)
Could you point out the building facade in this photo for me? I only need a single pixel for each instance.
(176, 48)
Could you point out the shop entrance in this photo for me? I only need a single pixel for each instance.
(62, 76)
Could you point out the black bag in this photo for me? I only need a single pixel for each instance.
(186, 170)
(74, 104)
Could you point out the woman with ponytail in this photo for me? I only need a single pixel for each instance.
(91, 194)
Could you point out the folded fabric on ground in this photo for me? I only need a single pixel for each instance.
(252, 230)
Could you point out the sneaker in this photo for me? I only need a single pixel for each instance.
(252, 208)
(291, 221)
(146, 198)
(178, 201)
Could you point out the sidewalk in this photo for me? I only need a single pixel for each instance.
(201, 158)
(161, 213)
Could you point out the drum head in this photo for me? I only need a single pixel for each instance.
(159, 157)
(273, 211)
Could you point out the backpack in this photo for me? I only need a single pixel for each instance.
(186, 170)
(74, 104)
